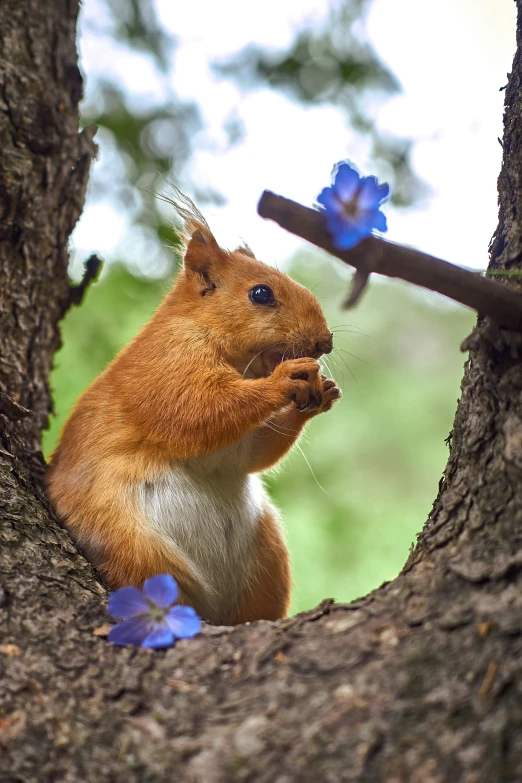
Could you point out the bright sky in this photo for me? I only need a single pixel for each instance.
(451, 59)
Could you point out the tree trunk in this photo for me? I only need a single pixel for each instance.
(420, 681)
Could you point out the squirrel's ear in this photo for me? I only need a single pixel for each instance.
(203, 258)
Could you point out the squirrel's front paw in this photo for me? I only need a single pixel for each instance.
(320, 399)
(300, 381)
(312, 393)
(331, 393)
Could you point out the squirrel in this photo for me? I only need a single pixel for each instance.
(155, 468)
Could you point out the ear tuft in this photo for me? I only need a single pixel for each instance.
(245, 249)
(203, 257)
(193, 220)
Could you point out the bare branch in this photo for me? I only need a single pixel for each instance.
(486, 296)
(93, 267)
(359, 284)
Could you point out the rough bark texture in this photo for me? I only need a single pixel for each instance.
(420, 681)
(44, 166)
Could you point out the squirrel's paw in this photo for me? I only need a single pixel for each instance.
(320, 398)
(331, 393)
(300, 380)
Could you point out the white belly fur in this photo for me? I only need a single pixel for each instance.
(210, 509)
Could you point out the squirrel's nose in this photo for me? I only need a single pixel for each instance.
(325, 345)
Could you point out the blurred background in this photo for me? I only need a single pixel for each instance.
(227, 99)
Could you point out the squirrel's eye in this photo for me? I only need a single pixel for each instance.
(261, 294)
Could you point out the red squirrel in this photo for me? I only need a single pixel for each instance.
(155, 469)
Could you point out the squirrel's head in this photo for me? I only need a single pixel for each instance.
(255, 315)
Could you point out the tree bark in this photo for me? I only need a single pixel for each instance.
(420, 681)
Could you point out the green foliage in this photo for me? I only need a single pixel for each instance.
(377, 456)
(112, 313)
(135, 24)
(143, 143)
(332, 64)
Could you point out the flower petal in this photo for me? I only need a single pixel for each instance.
(346, 182)
(365, 222)
(345, 240)
(160, 637)
(183, 621)
(346, 234)
(329, 200)
(371, 194)
(162, 590)
(351, 206)
(339, 222)
(126, 602)
(132, 631)
(379, 221)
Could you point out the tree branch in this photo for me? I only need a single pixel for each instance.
(419, 681)
(387, 258)
(93, 267)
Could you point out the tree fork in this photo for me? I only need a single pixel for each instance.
(419, 681)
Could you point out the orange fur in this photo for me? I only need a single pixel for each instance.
(205, 374)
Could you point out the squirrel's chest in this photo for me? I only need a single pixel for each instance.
(210, 509)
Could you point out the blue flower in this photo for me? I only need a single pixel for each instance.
(352, 206)
(153, 620)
